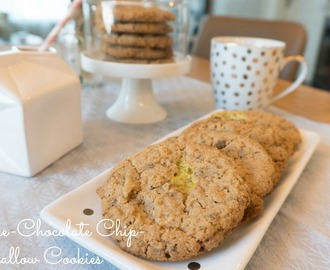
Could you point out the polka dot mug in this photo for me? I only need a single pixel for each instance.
(245, 70)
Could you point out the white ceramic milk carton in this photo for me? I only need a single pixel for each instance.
(40, 110)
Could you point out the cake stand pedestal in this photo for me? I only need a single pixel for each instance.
(136, 103)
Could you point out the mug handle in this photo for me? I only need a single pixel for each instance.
(299, 79)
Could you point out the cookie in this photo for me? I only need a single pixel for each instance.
(257, 167)
(278, 136)
(288, 134)
(141, 14)
(146, 41)
(185, 197)
(253, 164)
(138, 53)
(139, 61)
(254, 208)
(140, 28)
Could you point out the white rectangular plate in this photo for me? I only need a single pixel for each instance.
(234, 253)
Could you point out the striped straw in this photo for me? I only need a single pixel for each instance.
(52, 36)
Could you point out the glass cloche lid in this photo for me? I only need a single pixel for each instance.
(137, 31)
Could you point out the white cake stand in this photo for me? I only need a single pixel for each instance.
(136, 103)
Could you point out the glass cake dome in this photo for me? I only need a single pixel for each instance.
(137, 41)
(137, 31)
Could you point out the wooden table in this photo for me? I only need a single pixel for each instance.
(306, 101)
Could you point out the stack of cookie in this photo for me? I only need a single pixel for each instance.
(188, 193)
(138, 34)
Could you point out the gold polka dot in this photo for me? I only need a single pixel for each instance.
(255, 60)
(265, 64)
(241, 84)
(236, 94)
(258, 72)
(233, 67)
(248, 68)
(234, 76)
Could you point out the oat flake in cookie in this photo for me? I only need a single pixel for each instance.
(183, 196)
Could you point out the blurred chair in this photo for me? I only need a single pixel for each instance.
(292, 33)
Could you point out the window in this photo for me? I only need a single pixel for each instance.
(34, 10)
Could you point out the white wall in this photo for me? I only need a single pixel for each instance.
(35, 9)
(33, 16)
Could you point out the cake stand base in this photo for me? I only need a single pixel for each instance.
(136, 103)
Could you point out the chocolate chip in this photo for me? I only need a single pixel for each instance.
(220, 144)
